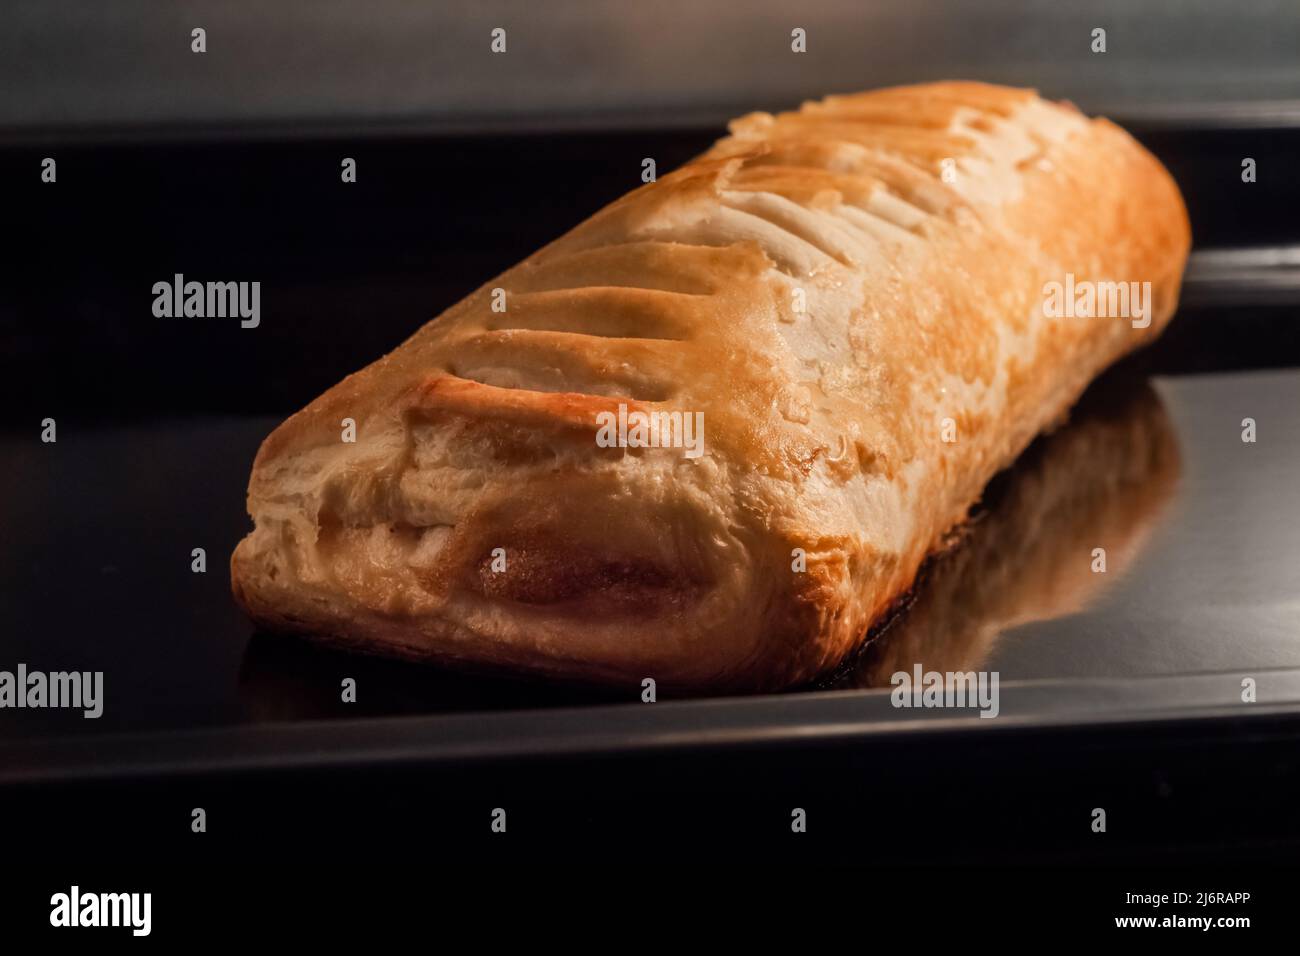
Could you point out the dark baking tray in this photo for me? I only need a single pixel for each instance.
(1127, 684)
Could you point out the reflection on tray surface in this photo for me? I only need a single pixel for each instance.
(1028, 553)
(1029, 550)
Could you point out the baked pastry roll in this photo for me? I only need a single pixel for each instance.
(842, 322)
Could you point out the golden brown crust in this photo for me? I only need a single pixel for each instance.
(836, 290)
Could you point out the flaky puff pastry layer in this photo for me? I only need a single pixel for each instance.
(853, 297)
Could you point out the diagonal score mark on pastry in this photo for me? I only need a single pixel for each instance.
(923, 302)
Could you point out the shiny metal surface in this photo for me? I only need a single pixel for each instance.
(1201, 532)
(67, 65)
(1257, 275)
(1218, 585)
